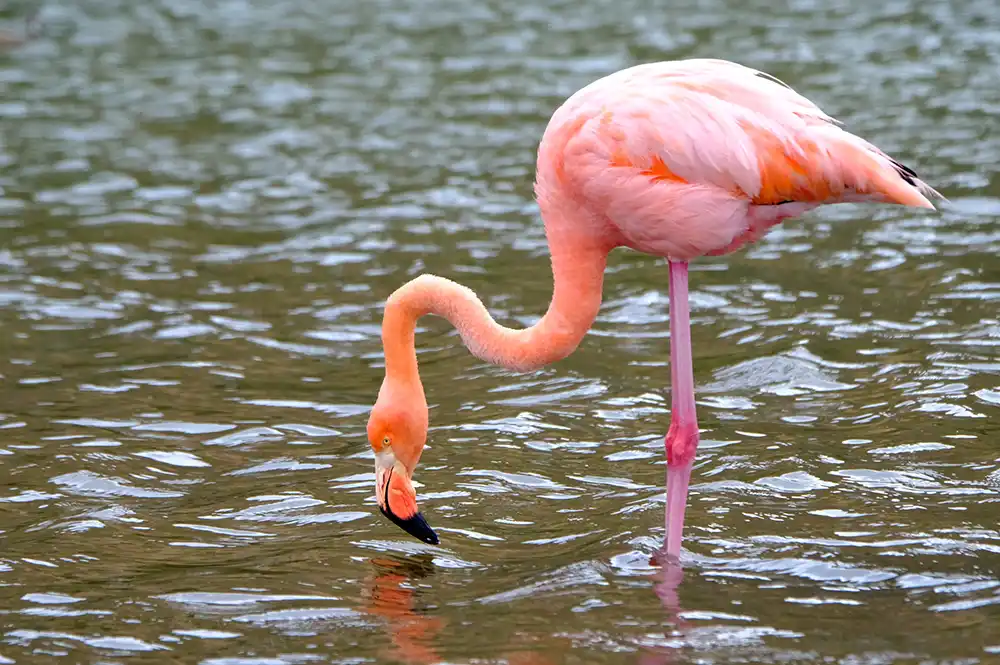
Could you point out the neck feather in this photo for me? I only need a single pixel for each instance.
(578, 273)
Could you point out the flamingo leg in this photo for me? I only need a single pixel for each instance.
(682, 437)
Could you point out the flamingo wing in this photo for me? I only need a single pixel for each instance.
(699, 156)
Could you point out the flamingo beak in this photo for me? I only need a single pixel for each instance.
(396, 498)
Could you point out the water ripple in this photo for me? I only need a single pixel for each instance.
(203, 208)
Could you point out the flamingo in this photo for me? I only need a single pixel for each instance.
(679, 159)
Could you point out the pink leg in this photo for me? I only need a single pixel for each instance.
(682, 438)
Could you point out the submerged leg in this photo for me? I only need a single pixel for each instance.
(682, 438)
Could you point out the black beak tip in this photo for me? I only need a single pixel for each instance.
(416, 526)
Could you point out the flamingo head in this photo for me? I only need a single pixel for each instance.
(397, 432)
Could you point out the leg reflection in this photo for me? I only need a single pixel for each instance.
(666, 582)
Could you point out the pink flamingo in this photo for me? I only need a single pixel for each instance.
(675, 159)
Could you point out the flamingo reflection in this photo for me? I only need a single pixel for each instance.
(393, 597)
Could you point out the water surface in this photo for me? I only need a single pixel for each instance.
(203, 207)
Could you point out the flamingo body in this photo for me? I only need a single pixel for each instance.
(700, 157)
(675, 159)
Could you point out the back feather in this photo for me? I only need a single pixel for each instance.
(713, 122)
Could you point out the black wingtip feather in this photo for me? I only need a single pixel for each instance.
(906, 173)
(773, 79)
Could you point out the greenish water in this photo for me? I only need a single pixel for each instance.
(203, 206)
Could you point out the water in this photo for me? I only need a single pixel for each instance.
(202, 208)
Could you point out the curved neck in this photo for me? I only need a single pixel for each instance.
(578, 272)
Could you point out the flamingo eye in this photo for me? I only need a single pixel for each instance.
(386, 441)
